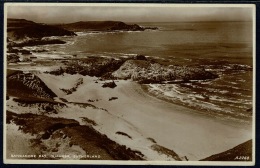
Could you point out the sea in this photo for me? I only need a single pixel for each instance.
(224, 48)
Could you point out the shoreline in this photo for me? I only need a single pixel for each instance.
(200, 110)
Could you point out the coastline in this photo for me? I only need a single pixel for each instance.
(140, 124)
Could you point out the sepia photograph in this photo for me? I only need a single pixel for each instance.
(126, 83)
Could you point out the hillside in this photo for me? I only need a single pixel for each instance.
(18, 29)
(242, 152)
(101, 26)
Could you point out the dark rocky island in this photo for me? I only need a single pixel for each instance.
(103, 26)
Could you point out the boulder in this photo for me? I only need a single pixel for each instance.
(140, 57)
(109, 84)
(12, 58)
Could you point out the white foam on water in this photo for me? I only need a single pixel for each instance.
(51, 56)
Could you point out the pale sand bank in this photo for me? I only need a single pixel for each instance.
(141, 116)
(26, 146)
(18, 142)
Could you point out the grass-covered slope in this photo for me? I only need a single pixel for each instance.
(27, 85)
(242, 152)
(71, 133)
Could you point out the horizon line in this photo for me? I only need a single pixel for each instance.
(136, 21)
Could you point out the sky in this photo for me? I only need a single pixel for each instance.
(127, 13)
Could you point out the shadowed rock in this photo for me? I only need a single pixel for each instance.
(109, 84)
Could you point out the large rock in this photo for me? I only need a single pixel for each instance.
(109, 84)
(140, 57)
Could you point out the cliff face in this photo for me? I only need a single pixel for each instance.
(19, 29)
(101, 26)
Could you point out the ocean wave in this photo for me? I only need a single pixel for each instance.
(104, 32)
(69, 42)
(228, 67)
(222, 99)
(199, 100)
(86, 33)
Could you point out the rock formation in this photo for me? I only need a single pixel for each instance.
(146, 72)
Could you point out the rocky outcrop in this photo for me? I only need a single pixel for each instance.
(35, 42)
(21, 32)
(151, 28)
(18, 29)
(12, 58)
(146, 72)
(74, 88)
(94, 66)
(42, 106)
(109, 84)
(17, 51)
(101, 26)
(139, 57)
(137, 68)
(162, 150)
(27, 85)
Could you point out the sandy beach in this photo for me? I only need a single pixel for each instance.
(139, 115)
